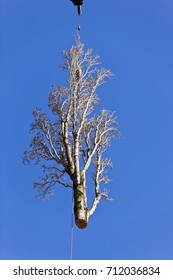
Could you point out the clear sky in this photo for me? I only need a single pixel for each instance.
(135, 40)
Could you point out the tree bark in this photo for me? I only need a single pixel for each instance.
(80, 203)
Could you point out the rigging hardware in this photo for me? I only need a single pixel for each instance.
(78, 3)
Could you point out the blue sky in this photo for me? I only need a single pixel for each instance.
(135, 40)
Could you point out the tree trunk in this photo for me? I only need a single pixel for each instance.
(80, 203)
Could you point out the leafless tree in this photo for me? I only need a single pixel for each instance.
(77, 138)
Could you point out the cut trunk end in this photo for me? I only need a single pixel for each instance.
(80, 204)
(80, 219)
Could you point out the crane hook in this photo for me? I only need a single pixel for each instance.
(78, 3)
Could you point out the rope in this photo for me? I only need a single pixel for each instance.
(72, 229)
(72, 212)
(78, 23)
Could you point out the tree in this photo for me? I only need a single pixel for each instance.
(76, 140)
